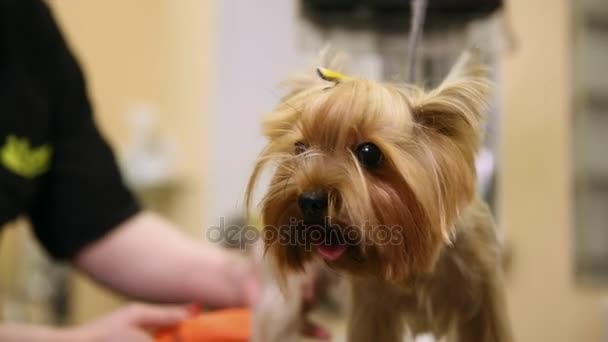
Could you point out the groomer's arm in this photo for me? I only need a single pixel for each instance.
(148, 258)
(85, 213)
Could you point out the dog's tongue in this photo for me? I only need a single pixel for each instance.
(331, 252)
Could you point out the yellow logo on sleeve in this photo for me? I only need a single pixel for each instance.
(19, 157)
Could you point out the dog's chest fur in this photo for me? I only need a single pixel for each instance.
(455, 288)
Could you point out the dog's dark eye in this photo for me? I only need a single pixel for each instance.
(300, 147)
(369, 155)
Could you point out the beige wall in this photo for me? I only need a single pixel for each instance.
(10, 239)
(152, 51)
(535, 203)
(118, 46)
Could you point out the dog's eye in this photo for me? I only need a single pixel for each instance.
(369, 155)
(300, 147)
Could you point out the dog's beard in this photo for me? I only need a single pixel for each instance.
(379, 224)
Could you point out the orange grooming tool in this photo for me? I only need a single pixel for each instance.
(231, 325)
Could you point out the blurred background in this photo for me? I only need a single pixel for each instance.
(178, 88)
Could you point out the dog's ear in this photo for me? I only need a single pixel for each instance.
(456, 107)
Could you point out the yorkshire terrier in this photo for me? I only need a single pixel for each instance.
(378, 181)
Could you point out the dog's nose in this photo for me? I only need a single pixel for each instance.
(313, 204)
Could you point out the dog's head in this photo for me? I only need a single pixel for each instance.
(370, 176)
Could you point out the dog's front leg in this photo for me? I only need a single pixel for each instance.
(491, 322)
(278, 311)
(375, 314)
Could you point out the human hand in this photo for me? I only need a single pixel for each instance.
(133, 323)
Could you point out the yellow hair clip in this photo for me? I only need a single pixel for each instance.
(331, 76)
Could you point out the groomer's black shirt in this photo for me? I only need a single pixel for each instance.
(54, 165)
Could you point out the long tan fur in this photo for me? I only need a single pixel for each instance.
(439, 271)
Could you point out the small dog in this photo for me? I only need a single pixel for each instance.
(378, 181)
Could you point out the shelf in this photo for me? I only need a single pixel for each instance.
(596, 20)
(598, 100)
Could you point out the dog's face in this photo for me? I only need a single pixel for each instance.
(370, 177)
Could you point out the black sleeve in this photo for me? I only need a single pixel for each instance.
(82, 197)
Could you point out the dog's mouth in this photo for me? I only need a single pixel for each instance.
(332, 244)
(331, 252)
